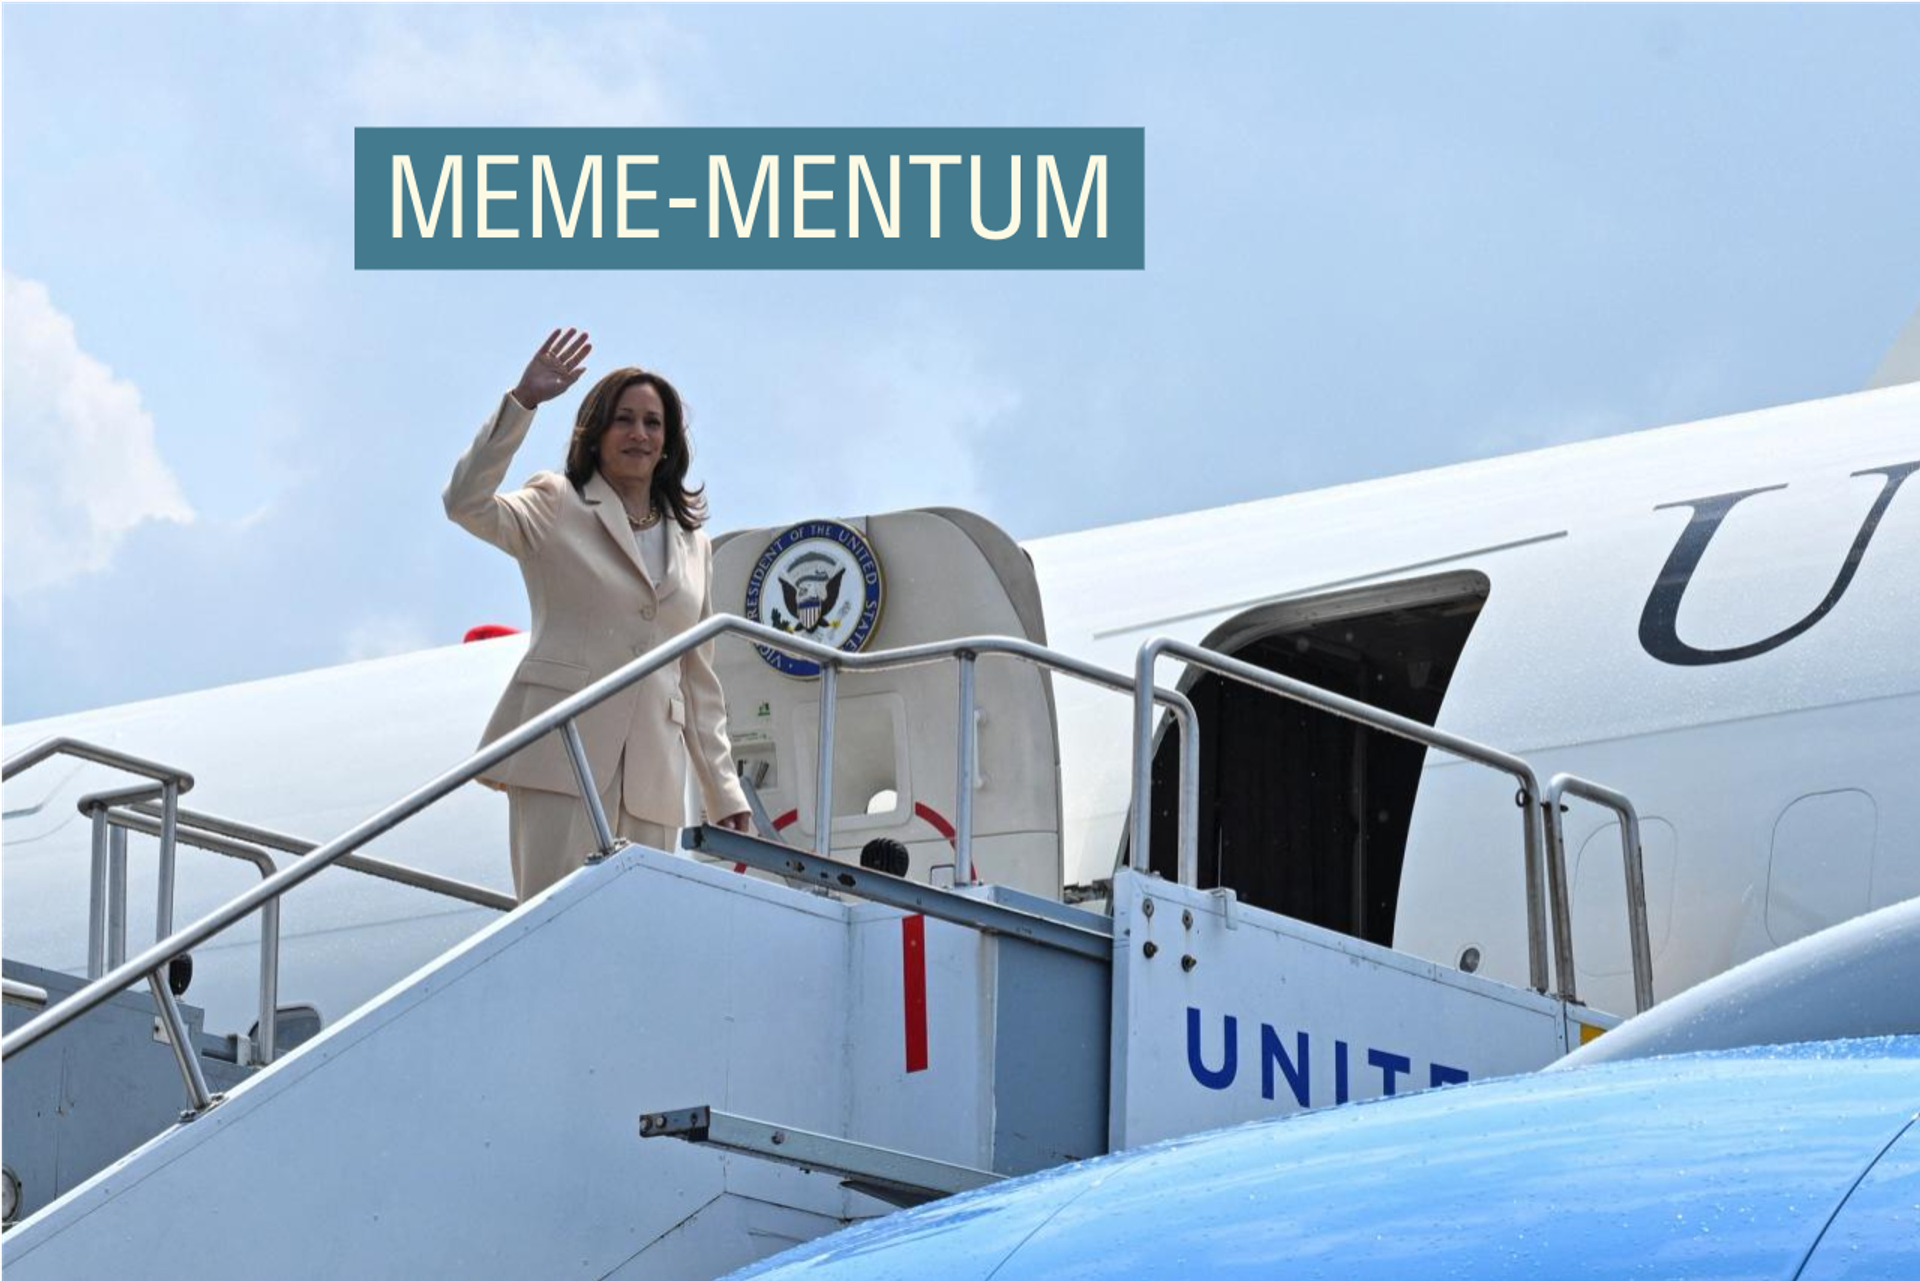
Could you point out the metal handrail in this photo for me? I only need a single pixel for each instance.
(264, 1049)
(399, 873)
(966, 650)
(25, 993)
(27, 758)
(107, 877)
(1366, 714)
(560, 717)
(174, 783)
(1564, 785)
(1187, 826)
(107, 943)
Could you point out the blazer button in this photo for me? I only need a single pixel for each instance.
(646, 612)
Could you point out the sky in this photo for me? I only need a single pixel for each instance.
(1378, 239)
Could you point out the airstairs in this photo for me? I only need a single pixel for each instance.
(671, 1066)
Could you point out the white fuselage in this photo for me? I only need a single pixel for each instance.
(1777, 789)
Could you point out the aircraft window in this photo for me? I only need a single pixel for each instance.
(1822, 867)
(869, 759)
(41, 801)
(1302, 812)
(1600, 944)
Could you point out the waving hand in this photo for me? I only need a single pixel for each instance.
(554, 368)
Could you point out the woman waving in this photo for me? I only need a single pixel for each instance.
(615, 563)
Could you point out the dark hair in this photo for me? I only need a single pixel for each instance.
(670, 493)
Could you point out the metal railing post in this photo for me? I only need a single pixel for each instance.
(97, 898)
(968, 766)
(108, 937)
(589, 792)
(169, 831)
(1140, 839)
(1638, 941)
(265, 1046)
(1186, 724)
(116, 896)
(268, 998)
(823, 781)
(1632, 857)
(107, 902)
(1540, 852)
(198, 1097)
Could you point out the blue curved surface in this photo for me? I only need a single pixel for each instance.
(1742, 1163)
(1877, 1228)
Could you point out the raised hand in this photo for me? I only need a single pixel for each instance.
(554, 368)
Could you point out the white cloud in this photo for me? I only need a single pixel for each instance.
(82, 468)
(495, 66)
(385, 635)
(882, 426)
(927, 403)
(248, 520)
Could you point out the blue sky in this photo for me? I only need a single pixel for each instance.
(1379, 239)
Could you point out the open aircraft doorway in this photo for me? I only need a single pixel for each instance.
(1303, 812)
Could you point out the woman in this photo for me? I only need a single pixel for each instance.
(615, 564)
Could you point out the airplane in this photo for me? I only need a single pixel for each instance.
(1714, 619)
(1765, 1121)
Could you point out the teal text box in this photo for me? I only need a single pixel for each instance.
(429, 183)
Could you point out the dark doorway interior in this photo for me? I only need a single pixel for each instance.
(1302, 812)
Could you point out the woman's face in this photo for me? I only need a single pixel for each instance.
(632, 445)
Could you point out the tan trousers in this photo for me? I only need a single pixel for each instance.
(551, 834)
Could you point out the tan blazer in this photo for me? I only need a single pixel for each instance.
(594, 610)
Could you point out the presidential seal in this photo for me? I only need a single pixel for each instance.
(821, 580)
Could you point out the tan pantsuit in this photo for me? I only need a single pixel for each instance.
(595, 609)
(552, 835)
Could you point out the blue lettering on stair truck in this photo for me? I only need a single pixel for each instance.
(1289, 1059)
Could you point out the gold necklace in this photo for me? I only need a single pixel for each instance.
(652, 519)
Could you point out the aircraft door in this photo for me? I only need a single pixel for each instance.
(941, 573)
(1303, 812)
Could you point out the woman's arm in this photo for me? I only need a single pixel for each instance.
(706, 728)
(515, 522)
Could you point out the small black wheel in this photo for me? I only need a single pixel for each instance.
(884, 854)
